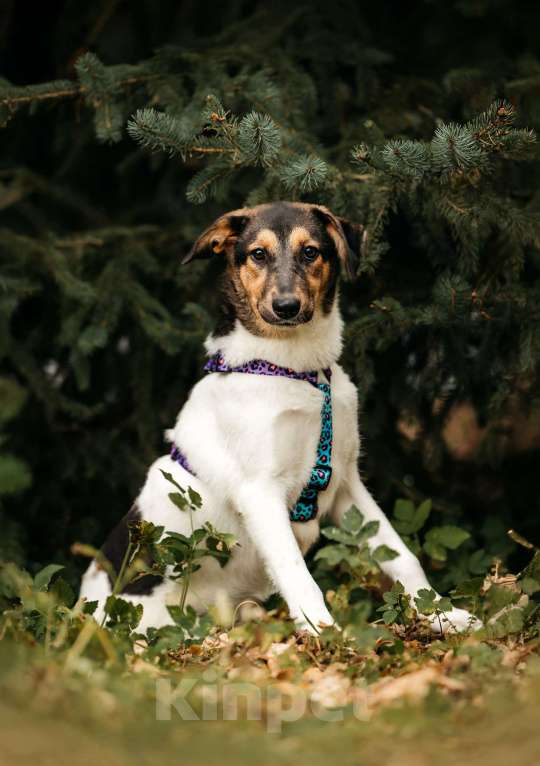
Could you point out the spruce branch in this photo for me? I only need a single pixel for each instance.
(95, 77)
(259, 139)
(455, 147)
(124, 76)
(158, 131)
(304, 174)
(56, 90)
(101, 93)
(407, 158)
(206, 183)
(367, 158)
(494, 130)
(12, 96)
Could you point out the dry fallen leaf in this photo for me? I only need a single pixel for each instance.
(412, 686)
(330, 687)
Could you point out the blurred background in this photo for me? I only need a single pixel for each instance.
(410, 118)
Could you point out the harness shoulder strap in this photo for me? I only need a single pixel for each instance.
(306, 507)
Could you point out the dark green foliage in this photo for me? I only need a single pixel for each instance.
(146, 123)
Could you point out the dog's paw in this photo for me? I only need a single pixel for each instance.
(314, 623)
(454, 621)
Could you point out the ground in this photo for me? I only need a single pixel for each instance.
(410, 698)
(380, 689)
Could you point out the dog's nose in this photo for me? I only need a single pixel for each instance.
(286, 306)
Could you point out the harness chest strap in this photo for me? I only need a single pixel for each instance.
(306, 506)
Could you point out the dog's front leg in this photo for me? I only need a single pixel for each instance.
(266, 519)
(405, 567)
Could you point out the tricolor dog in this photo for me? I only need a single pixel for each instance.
(269, 437)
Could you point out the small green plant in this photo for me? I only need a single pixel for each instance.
(397, 606)
(152, 551)
(409, 520)
(183, 552)
(349, 551)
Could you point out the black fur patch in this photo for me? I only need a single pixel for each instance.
(329, 254)
(227, 317)
(115, 548)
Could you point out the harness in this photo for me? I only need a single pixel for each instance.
(306, 506)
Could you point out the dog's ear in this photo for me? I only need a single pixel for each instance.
(217, 237)
(346, 236)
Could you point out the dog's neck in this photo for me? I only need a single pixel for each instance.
(311, 346)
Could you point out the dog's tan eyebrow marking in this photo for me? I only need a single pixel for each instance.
(299, 237)
(265, 238)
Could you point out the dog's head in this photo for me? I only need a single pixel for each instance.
(283, 261)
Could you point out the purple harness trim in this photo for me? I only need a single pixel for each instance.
(217, 363)
(306, 506)
(179, 457)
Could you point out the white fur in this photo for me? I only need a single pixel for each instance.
(252, 440)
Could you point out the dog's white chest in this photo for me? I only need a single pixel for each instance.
(265, 427)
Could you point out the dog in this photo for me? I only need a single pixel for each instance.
(247, 443)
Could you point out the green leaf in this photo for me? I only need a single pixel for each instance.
(404, 510)
(333, 554)
(389, 616)
(62, 592)
(173, 537)
(425, 601)
(407, 519)
(194, 497)
(45, 575)
(390, 598)
(352, 521)
(15, 475)
(444, 604)
(122, 614)
(164, 639)
(194, 625)
(498, 597)
(449, 536)
(171, 480)
(339, 535)
(176, 613)
(435, 550)
(179, 500)
(384, 553)
(228, 539)
(511, 621)
(198, 536)
(219, 545)
(365, 636)
(90, 607)
(469, 588)
(422, 513)
(368, 530)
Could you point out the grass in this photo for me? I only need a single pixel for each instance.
(383, 690)
(50, 716)
(462, 699)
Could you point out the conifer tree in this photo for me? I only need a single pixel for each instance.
(111, 170)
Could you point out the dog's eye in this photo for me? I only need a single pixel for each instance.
(310, 253)
(259, 254)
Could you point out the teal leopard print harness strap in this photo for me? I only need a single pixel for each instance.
(306, 506)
